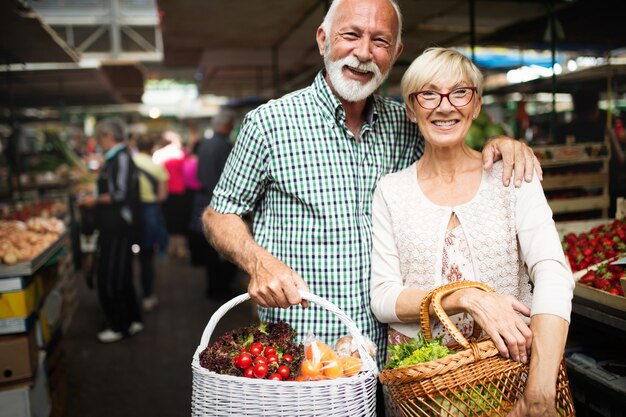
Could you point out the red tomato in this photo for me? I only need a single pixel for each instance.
(248, 372)
(287, 357)
(272, 359)
(244, 360)
(260, 359)
(269, 351)
(283, 371)
(260, 370)
(275, 377)
(256, 348)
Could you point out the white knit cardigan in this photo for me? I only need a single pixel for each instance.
(513, 241)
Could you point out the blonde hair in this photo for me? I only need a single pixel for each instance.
(434, 62)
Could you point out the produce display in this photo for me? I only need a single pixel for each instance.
(481, 130)
(594, 251)
(23, 240)
(26, 210)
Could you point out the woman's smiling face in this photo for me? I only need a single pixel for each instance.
(446, 125)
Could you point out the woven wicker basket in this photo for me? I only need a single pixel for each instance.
(225, 395)
(474, 381)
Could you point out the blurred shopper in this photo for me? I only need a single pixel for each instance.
(212, 155)
(172, 157)
(152, 191)
(197, 247)
(588, 122)
(117, 220)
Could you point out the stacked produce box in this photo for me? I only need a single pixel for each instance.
(37, 297)
(592, 255)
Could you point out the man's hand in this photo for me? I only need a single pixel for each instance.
(274, 284)
(515, 155)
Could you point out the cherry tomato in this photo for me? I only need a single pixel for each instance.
(283, 371)
(248, 372)
(260, 359)
(244, 360)
(269, 351)
(287, 357)
(236, 361)
(260, 370)
(256, 348)
(272, 359)
(275, 377)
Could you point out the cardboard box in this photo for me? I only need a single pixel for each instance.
(18, 357)
(50, 318)
(26, 400)
(21, 303)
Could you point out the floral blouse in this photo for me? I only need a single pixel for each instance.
(456, 266)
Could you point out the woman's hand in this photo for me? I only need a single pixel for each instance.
(515, 155)
(534, 405)
(497, 314)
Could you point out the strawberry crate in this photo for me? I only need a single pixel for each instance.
(586, 247)
(588, 291)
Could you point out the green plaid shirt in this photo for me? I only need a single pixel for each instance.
(309, 183)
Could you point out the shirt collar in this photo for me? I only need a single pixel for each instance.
(114, 150)
(331, 106)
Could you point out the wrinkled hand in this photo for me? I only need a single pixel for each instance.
(497, 315)
(515, 155)
(530, 405)
(274, 284)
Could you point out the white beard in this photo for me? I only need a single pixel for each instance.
(352, 90)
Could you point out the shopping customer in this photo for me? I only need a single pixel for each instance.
(171, 155)
(212, 155)
(118, 222)
(152, 192)
(306, 165)
(444, 219)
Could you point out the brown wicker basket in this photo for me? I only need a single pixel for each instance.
(474, 381)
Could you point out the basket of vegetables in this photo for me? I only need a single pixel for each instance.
(230, 380)
(466, 379)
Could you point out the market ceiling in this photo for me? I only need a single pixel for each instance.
(245, 48)
(39, 69)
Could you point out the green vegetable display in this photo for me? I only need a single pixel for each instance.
(481, 130)
(417, 350)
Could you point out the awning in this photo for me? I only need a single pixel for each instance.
(108, 84)
(25, 38)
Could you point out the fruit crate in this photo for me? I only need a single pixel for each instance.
(599, 296)
(576, 177)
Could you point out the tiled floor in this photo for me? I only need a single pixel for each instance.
(150, 373)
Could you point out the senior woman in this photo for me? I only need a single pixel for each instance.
(445, 219)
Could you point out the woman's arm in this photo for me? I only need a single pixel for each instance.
(549, 337)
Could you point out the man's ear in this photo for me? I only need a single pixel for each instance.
(400, 49)
(320, 37)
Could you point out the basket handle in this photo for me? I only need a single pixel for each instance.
(345, 319)
(434, 298)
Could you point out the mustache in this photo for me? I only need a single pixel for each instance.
(353, 62)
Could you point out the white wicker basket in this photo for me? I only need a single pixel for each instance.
(225, 395)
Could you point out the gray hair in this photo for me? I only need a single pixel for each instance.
(114, 126)
(224, 117)
(330, 17)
